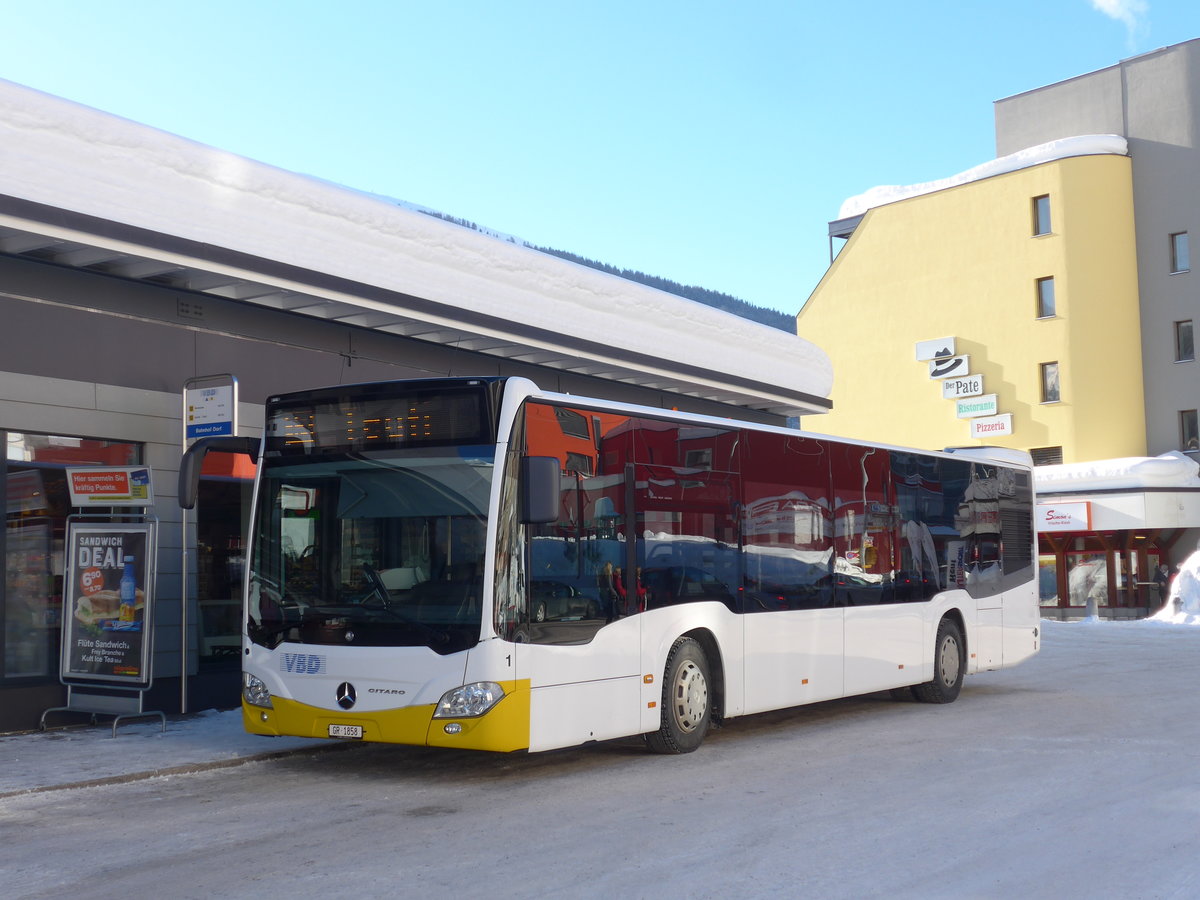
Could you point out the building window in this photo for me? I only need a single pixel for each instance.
(1189, 434)
(572, 423)
(1185, 348)
(1179, 252)
(579, 462)
(1046, 456)
(1041, 214)
(1050, 384)
(1045, 298)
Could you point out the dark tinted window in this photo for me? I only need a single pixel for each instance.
(687, 544)
(572, 578)
(787, 533)
(757, 521)
(929, 491)
(864, 525)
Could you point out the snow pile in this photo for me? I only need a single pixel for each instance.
(1170, 470)
(1183, 604)
(1082, 145)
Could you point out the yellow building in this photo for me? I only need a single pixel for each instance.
(1028, 264)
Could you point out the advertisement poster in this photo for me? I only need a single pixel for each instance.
(108, 486)
(106, 603)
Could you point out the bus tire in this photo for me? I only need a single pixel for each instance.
(948, 666)
(686, 707)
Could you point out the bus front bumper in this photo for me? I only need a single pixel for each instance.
(504, 728)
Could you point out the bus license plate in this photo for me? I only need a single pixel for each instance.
(345, 731)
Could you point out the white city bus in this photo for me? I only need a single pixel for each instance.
(478, 563)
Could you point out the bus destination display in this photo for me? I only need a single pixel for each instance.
(384, 423)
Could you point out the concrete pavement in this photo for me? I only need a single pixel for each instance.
(74, 757)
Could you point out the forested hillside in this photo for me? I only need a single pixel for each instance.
(727, 302)
(701, 295)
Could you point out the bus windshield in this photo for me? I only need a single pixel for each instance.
(375, 549)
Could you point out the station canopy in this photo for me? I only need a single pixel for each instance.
(83, 188)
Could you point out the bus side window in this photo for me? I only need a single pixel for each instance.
(787, 534)
(864, 525)
(687, 535)
(576, 580)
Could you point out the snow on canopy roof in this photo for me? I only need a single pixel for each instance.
(1170, 470)
(1081, 145)
(70, 157)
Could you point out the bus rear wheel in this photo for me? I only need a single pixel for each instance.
(948, 666)
(685, 709)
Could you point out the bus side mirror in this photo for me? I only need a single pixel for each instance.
(193, 462)
(539, 489)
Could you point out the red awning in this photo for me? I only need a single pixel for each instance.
(228, 465)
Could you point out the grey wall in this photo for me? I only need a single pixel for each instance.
(67, 323)
(1089, 104)
(1152, 100)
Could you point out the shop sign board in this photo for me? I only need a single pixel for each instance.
(107, 603)
(950, 366)
(966, 386)
(110, 486)
(970, 407)
(937, 349)
(991, 426)
(1071, 516)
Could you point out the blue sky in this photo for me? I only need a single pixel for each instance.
(706, 142)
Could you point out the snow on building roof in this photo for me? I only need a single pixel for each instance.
(1081, 145)
(1170, 470)
(392, 268)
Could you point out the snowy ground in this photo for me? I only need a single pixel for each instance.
(1072, 775)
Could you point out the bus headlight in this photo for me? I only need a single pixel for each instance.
(254, 691)
(469, 701)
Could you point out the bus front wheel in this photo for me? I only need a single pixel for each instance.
(686, 709)
(948, 666)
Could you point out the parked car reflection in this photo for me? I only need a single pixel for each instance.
(558, 601)
(683, 584)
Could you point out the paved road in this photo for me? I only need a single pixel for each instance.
(1073, 775)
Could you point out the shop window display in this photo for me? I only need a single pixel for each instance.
(1087, 578)
(1048, 579)
(37, 505)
